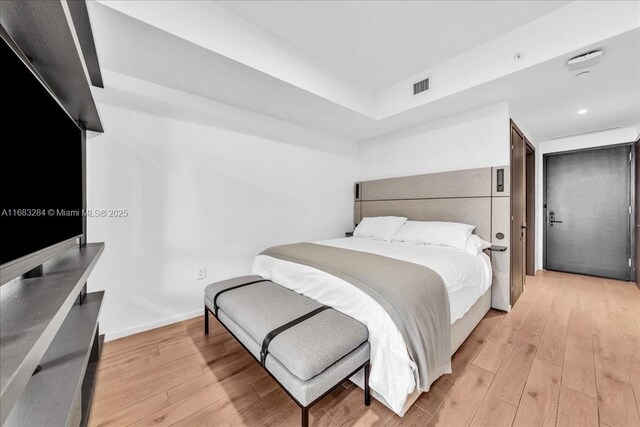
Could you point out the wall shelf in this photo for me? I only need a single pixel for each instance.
(39, 323)
(53, 396)
(89, 383)
(82, 24)
(46, 34)
(31, 313)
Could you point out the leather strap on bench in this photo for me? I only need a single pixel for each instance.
(271, 335)
(215, 298)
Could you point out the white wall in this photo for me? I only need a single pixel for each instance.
(476, 138)
(595, 139)
(209, 185)
(199, 193)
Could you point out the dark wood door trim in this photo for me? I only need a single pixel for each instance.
(635, 193)
(518, 211)
(530, 167)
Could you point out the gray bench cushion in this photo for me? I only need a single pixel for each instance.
(306, 349)
(304, 391)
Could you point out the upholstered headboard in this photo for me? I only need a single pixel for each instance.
(472, 196)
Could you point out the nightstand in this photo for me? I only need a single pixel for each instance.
(348, 234)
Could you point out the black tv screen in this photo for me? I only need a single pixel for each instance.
(41, 184)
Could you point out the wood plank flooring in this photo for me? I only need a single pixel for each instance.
(568, 354)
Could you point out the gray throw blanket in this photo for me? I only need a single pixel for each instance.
(414, 296)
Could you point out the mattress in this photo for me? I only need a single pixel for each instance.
(393, 376)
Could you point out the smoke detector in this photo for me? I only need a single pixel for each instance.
(585, 60)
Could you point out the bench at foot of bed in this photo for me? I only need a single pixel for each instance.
(308, 348)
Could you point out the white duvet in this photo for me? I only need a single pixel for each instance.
(393, 374)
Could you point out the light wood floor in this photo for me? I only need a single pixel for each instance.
(567, 354)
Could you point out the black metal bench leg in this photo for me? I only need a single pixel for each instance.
(367, 392)
(206, 320)
(305, 416)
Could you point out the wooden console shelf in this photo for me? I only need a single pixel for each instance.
(32, 312)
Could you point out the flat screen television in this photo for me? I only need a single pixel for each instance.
(41, 186)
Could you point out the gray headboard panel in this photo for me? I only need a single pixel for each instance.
(470, 196)
(462, 183)
(457, 196)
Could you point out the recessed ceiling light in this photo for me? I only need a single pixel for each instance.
(582, 111)
(584, 73)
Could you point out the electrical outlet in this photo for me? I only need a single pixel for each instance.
(202, 273)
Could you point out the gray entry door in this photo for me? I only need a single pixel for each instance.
(587, 219)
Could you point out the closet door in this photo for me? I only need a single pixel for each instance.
(518, 212)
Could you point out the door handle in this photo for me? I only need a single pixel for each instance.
(523, 227)
(551, 216)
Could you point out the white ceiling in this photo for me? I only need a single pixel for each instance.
(545, 96)
(548, 96)
(380, 43)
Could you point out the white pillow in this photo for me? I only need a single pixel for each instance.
(379, 227)
(475, 245)
(451, 234)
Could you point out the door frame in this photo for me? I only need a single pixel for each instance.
(632, 200)
(530, 209)
(530, 171)
(636, 214)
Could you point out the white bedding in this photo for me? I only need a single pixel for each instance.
(466, 277)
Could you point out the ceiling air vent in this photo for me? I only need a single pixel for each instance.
(421, 86)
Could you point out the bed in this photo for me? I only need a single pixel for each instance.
(467, 278)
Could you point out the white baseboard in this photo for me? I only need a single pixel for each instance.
(152, 325)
